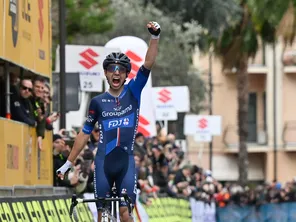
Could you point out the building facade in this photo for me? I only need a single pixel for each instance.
(272, 83)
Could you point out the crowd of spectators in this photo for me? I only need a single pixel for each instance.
(161, 164)
(29, 103)
(163, 171)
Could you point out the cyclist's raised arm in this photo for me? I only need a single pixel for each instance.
(83, 136)
(154, 29)
(137, 84)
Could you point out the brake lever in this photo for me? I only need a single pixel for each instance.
(74, 202)
(128, 201)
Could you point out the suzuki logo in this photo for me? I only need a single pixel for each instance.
(40, 20)
(134, 59)
(141, 127)
(143, 122)
(88, 56)
(203, 123)
(165, 95)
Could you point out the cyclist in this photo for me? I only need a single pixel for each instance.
(117, 113)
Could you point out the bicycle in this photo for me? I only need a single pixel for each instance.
(106, 214)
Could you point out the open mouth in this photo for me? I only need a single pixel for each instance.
(116, 82)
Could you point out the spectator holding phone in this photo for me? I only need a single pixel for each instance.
(50, 118)
(39, 109)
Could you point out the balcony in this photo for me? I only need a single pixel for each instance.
(289, 135)
(289, 61)
(257, 141)
(256, 65)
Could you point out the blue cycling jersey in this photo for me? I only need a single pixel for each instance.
(117, 117)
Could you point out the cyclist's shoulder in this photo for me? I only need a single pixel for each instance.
(97, 100)
(99, 97)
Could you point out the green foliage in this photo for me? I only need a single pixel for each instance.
(83, 17)
(88, 16)
(173, 65)
(212, 15)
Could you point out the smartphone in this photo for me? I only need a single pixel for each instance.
(66, 133)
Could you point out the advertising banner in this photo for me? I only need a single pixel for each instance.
(45, 209)
(1, 28)
(42, 36)
(22, 163)
(25, 38)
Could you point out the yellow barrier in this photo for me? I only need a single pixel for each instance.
(169, 209)
(22, 163)
(27, 34)
(41, 209)
(1, 29)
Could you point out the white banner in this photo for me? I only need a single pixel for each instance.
(172, 96)
(88, 61)
(202, 124)
(91, 81)
(136, 48)
(84, 58)
(169, 113)
(202, 212)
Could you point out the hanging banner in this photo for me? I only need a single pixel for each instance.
(42, 36)
(25, 37)
(1, 28)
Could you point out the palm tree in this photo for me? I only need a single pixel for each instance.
(259, 20)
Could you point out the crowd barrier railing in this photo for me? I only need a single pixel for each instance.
(280, 212)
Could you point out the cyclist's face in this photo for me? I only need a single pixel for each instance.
(115, 74)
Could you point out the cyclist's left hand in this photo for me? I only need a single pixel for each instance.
(154, 29)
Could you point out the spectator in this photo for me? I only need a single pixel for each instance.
(58, 160)
(39, 109)
(139, 145)
(182, 180)
(50, 118)
(21, 107)
(94, 139)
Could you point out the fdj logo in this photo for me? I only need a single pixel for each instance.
(13, 13)
(118, 123)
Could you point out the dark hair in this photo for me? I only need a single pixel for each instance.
(38, 78)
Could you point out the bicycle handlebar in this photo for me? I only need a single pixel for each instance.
(76, 200)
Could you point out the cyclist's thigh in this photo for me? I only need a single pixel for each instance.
(101, 181)
(129, 181)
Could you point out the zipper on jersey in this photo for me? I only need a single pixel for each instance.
(117, 101)
(118, 128)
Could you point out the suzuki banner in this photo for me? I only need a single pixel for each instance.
(202, 124)
(136, 48)
(88, 62)
(168, 101)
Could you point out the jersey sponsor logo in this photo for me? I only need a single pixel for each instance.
(118, 122)
(136, 127)
(117, 108)
(101, 134)
(127, 121)
(117, 113)
(135, 186)
(108, 100)
(90, 119)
